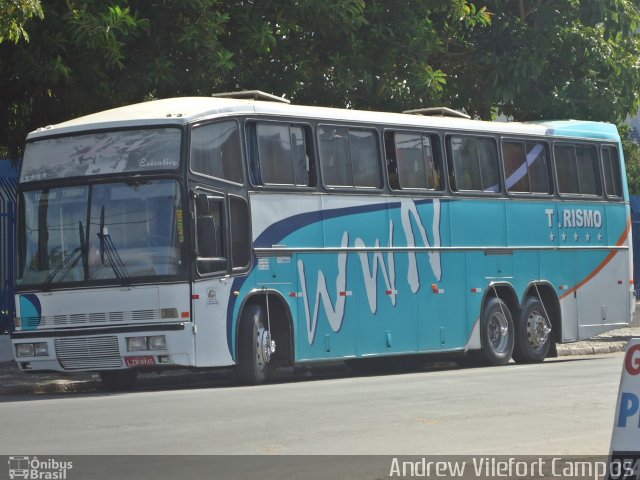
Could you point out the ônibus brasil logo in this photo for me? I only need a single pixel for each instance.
(34, 469)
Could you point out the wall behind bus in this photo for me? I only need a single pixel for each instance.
(8, 182)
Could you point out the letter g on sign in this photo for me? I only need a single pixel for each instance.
(632, 360)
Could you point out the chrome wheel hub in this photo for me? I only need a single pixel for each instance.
(499, 332)
(537, 329)
(265, 347)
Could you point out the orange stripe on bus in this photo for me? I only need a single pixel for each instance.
(604, 263)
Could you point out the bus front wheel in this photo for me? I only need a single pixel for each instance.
(533, 337)
(255, 346)
(497, 333)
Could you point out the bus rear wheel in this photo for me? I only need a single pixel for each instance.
(255, 347)
(533, 338)
(497, 333)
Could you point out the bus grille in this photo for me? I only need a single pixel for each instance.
(74, 320)
(88, 353)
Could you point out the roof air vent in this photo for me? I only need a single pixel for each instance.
(252, 95)
(438, 112)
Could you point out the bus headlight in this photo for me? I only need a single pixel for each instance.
(158, 342)
(41, 349)
(141, 344)
(24, 350)
(136, 344)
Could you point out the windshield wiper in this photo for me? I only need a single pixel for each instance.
(71, 260)
(107, 246)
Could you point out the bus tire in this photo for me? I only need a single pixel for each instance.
(118, 380)
(497, 333)
(253, 350)
(533, 338)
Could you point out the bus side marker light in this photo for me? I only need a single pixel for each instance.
(348, 293)
(564, 287)
(391, 292)
(476, 290)
(195, 296)
(184, 315)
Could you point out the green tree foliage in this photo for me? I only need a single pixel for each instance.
(529, 59)
(549, 59)
(15, 14)
(631, 158)
(89, 55)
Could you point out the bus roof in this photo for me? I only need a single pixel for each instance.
(185, 110)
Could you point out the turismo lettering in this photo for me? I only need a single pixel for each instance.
(576, 218)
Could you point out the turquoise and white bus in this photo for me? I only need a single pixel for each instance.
(255, 234)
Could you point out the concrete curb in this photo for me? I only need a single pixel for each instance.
(591, 350)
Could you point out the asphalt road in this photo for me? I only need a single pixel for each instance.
(560, 407)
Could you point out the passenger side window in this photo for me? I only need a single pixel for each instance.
(611, 169)
(474, 164)
(240, 232)
(215, 151)
(526, 168)
(349, 157)
(412, 161)
(281, 154)
(577, 169)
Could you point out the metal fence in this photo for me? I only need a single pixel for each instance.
(8, 182)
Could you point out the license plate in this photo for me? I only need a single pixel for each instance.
(146, 361)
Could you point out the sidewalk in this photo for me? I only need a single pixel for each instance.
(15, 382)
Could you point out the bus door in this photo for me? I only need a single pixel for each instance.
(211, 292)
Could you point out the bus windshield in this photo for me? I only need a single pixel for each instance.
(107, 231)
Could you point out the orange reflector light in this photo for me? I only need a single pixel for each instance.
(184, 314)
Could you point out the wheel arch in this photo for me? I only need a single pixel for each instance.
(506, 293)
(280, 318)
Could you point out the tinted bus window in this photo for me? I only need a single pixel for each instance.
(349, 157)
(526, 167)
(240, 235)
(475, 164)
(577, 169)
(280, 155)
(215, 151)
(412, 163)
(611, 169)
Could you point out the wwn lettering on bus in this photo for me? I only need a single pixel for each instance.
(335, 314)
